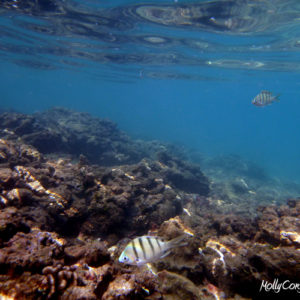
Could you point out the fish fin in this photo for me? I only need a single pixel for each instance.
(177, 242)
(139, 263)
(165, 254)
(151, 268)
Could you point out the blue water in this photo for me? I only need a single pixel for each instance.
(187, 82)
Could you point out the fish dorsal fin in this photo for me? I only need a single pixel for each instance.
(154, 237)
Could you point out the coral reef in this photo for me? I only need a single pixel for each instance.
(73, 199)
(64, 223)
(63, 131)
(60, 131)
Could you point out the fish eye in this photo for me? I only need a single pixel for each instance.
(125, 258)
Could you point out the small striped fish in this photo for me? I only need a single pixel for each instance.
(147, 249)
(264, 98)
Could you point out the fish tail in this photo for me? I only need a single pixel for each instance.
(177, 242)
(277, 98)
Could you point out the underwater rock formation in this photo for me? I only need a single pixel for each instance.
(183, 175)
(75, 198)
(63, 225)
(42, 265)
(62, 131)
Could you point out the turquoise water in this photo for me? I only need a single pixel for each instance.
(176, 71)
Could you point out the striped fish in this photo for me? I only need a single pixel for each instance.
(265, 98)
(147, 249)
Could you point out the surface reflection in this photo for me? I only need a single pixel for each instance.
(193, 34)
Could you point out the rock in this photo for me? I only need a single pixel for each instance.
(78, 293)
(11, 222)
(6, 178)
(99, 141)
(176, 287)
(61, 130)
(24, 286)
(97, 254)
(183, 175)
(123, 287)
(139, 285)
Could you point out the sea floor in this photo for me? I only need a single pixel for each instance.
(74, 189)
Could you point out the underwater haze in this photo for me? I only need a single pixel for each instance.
(183, 72)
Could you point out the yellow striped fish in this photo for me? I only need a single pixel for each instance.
(265, 98)
(147, 249)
